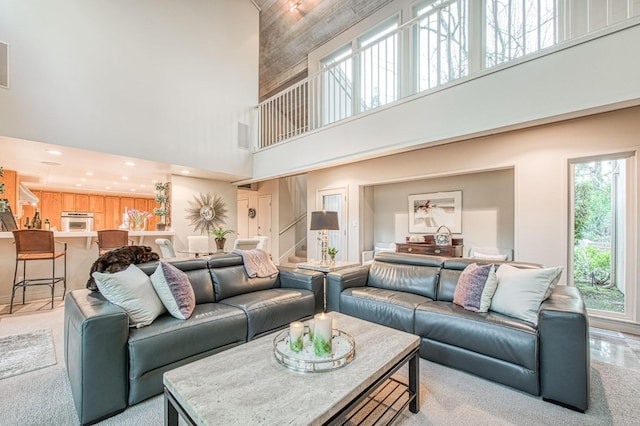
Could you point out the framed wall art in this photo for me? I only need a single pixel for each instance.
(427, 212)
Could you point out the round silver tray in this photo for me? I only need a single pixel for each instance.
(343, 350)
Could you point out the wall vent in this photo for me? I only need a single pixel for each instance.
(4, 65)
(243, 136)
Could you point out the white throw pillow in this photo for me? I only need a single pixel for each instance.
(131, 289)
(487, 256)
(521, 291)
(489, 290)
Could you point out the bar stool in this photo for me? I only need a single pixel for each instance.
(110, 239)
(35, 244)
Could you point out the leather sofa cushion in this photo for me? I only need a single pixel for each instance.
(232, 280)
(491, 334)
(197, 272)
(417, 279)
(272, 309)
(168, 339)
(387, 307)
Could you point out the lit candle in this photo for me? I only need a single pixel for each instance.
(323, 324)
(296, 331)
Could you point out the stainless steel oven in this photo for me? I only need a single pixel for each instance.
(77, 222)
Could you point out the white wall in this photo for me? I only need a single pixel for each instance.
(597, 75)
(155, 79)
(539, 158)
(183, 189)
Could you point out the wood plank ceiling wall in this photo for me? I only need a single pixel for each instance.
(287, 37)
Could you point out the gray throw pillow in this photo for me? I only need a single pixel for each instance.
(174, 289)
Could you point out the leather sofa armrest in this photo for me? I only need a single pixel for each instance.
(342, 279)
(95, 351)
(305, 280)
(563, 325)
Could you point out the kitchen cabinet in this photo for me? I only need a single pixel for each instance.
(112, 213)
(68, 202)
(51, 207)
(10, 181)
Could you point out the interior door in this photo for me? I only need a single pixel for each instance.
(243, 218)
(264, 219)
(335, 200)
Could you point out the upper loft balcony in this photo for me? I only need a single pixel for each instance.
(454, 72)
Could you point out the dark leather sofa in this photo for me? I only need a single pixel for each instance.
(111, 366)
(414, 293)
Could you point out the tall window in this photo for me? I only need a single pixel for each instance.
(600, 198)
(378, 64)
(337, 86)
(442, 42)
(514, 28)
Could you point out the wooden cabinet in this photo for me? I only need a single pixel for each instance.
(68, 202)
(431, 249)
(112, 212)
(51, 207)
(10, 181)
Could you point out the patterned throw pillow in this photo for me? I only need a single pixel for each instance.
(174, 289)
(475, 287)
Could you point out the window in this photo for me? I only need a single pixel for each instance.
(442, 42)
(378, 65)
(514, 28)
(337, 84)
(602, 191)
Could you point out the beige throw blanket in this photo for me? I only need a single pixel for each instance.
(257, 263)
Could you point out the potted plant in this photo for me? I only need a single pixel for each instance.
(162, 198)
(3, 202)
(220, 233)
(332, 251)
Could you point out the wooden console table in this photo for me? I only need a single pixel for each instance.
(431, 249)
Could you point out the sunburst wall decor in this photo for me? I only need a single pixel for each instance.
(206, 211)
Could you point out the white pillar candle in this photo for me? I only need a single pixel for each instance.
(322, 333)
(296, 331)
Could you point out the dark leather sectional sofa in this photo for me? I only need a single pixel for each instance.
(111, 366)
(414, 293)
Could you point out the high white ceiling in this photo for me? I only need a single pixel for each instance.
(81, 170)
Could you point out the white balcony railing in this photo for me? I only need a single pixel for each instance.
(449, 40)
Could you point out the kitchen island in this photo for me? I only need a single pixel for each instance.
(82, 251)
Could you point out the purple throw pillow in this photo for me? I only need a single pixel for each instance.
(471, 283)
(174, 290)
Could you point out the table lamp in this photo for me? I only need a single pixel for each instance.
(324, 221)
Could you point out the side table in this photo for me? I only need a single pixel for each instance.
(325, 269)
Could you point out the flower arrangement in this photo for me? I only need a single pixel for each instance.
(139, 218)
(220, 233)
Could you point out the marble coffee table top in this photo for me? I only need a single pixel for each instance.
(247, 385)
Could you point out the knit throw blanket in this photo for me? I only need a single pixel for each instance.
(257, 263)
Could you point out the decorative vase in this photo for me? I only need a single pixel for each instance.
(160, 226)
(139, 226)
(220, 244)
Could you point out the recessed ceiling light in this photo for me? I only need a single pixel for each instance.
(107, 187)
(115, 183)
(83, 179)
(89, 173)
(133, 190)
(124, 178)
(54, 152)
(51, 163)
(78, 184)
(142, 185)
(129, 163)
(185, 172)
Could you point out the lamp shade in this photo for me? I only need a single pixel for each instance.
(324, 220)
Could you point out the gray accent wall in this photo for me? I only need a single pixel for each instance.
(487, 207)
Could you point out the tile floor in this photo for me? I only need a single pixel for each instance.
(606, 346)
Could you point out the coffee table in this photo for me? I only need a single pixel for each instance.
(247, 385)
